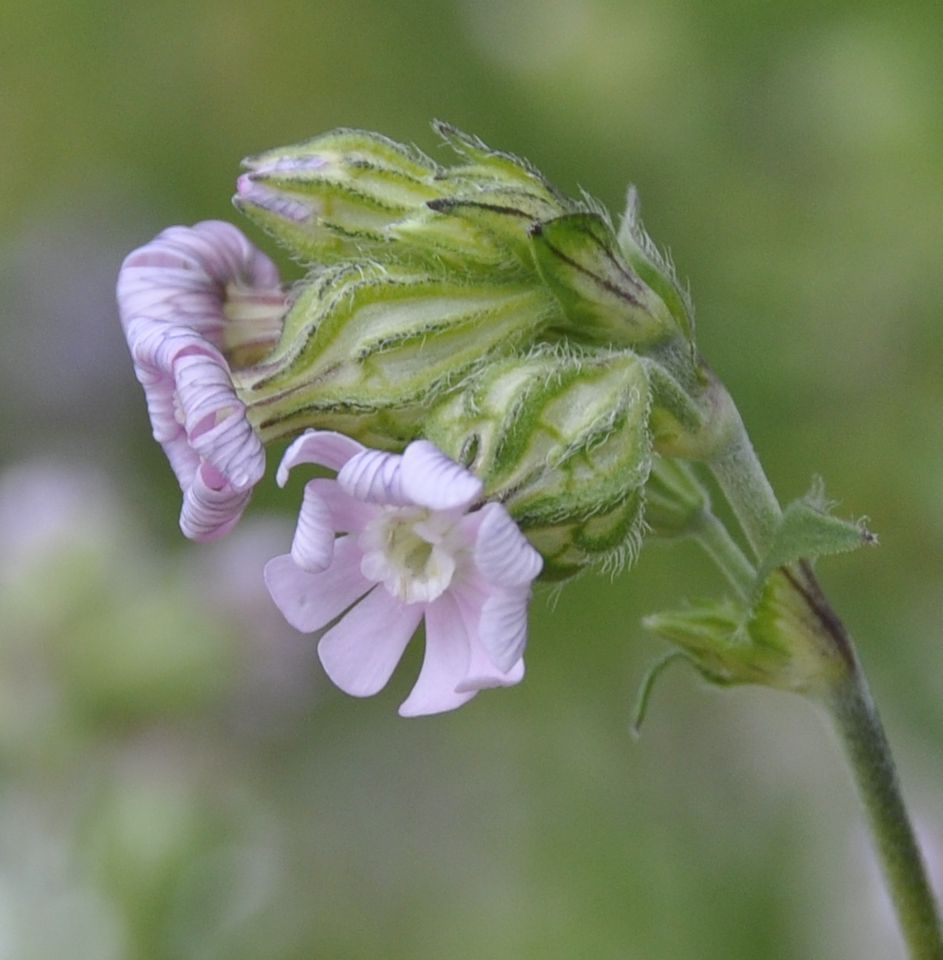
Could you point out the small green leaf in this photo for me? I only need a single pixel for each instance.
(807, 531)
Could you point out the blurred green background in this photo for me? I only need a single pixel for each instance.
(178, 779)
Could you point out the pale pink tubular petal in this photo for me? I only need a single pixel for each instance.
(430, 479)
(215, 419)
(444, 665)
(312, 548)
(208, 512)
(502, 628)
(323, 447)
(360, 653)
(375, 477)
(502, 553)
(310, 601)
(347, 514)
(181, 276)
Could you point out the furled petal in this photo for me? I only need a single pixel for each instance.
(444, 665)
(309, 601)
(374, 476)
(323, 447)
(503, 626)
(209, 512)
(430, 479)
(183, 373)
(312, 547)
(181, 276)
(502, 553)
(347, 514)
(360, 653)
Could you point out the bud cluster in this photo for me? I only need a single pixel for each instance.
(478, 306)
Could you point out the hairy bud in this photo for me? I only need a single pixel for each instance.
(562, 440)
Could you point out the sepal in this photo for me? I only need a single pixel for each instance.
(808, 531)
(562, 439)
(778, 641)
(604, 300)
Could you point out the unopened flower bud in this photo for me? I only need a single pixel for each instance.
(562, 440)
(364, 342)
(777, 642)
(604, 300)
(353, 194)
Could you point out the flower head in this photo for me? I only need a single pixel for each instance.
(413, 547)
(193, 301)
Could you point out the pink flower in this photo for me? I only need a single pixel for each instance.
(187, 300)
(412, 548)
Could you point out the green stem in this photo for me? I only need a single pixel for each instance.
(741, 477)
(857, 721)
(720, 546)
(743, 481)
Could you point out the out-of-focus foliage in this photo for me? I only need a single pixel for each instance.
(177, 779)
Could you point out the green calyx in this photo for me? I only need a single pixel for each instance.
(561, 438)
(777, 633)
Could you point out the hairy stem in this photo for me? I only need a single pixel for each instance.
(720, 546)
(859, 726)
(743, 482)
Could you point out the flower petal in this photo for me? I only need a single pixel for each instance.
(312, 547)
(503, 626)
(209, 510)
(430, 479)
(481, 672)
(309, 601)
(323, 447)
(444, 665)
(375, 477)
(502, 553)
(360, 653)
(181, 275)
(347, 514)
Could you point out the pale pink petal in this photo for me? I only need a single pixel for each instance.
(312, 547)
(360, 653)
(310, 601)
(347, 514)
(481, 672)
(502, 553)
(323, 447)
(375, 477)
(210, 511)
(502, 628)
(430, 479)
(181, 277)
(444, 665)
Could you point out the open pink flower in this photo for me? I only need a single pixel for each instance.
(412, 548)
(187, 300)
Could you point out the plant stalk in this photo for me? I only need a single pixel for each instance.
(848, 700)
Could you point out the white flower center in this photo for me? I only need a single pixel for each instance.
(412, 552)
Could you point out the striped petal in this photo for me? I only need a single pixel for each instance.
(444, 665)
(360, 653)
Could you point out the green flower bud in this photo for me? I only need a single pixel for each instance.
(604, 300)
(562, 439)
(352, 194)
(366, 342)
(652, 267)
(779, 642)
